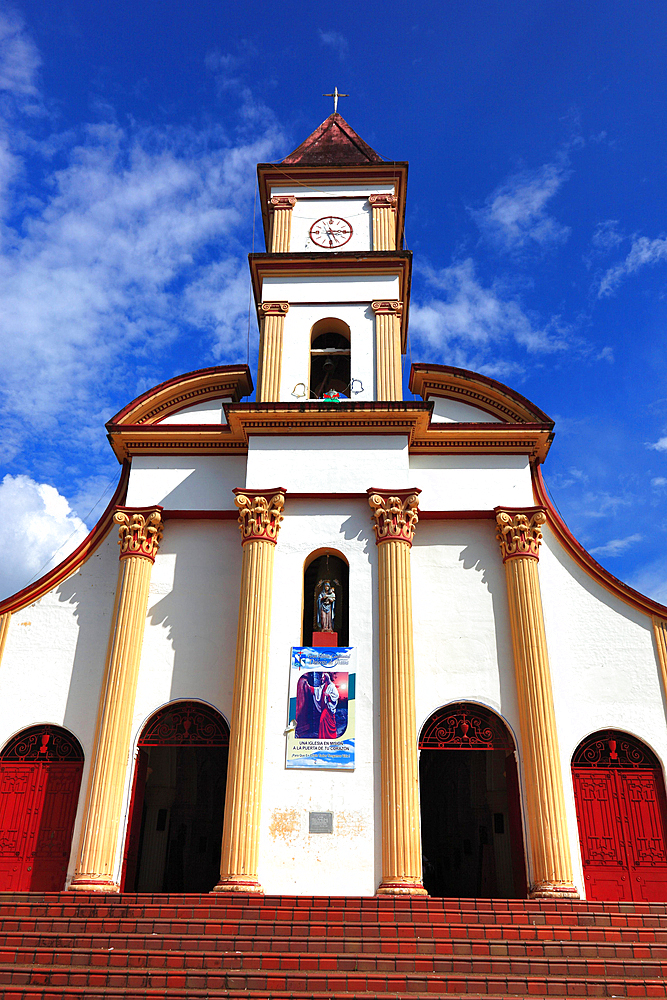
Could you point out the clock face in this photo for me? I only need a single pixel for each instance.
(331, 232)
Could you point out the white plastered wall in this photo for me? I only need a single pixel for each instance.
(471, 482)
(347, 202)
(185, 482)
(451, 411)
(603, 666)
(347, 298)
(53, 663)
(210, 411)
(292, 860)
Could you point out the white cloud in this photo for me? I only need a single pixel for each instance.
(515, 216)
(468, 316)
(606, 235)
(334, 40)
(39, 530)
(660, 445)
(652, 580)
(616, 546)
(19, 58)
(642, 252)
(659, 481)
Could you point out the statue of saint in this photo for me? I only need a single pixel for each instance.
(325, 605)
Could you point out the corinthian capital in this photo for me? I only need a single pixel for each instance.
(394, 308)
(139, 530)
(395, 514)
(260, 513)
(519, 532)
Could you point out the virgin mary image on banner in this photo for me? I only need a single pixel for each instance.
(321, 725)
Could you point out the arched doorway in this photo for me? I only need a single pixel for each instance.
(619, 793)
(178, 801)
(40, 778)
(325, 599)
(330, 358)
(472, 840)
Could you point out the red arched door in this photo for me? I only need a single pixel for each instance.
(40, 778)
(178, 799)
(620, 797)
(472, 838)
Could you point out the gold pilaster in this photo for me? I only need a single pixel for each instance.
(272, 322)
(140, 532)
(281, 208)
(260, 514)
(4, 631)
(519, 535)
(660, 632)
(383, 207)
(388, 377)
(394, 518)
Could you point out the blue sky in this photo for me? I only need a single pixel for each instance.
(535, 131)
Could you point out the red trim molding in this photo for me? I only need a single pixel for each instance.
(585, 560)
(75, 559)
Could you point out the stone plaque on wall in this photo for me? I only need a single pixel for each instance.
(320, 822)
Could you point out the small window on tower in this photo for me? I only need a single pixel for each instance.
(330, 359)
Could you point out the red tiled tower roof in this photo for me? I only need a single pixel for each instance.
(334, 142)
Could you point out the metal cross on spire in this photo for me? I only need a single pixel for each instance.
(335, 96)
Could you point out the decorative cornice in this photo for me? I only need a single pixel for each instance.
(139, 530)
(519, 531)
(383, 200)
(260, 513)
(395, 514)
(476, 390)
(274, 308)
(392, 308)
(285, 202)
(223, 381)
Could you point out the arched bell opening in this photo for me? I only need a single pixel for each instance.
(330, 358)
(40, 779)
(325, 599)
(472, 838)
(178, 800)
(619, 792)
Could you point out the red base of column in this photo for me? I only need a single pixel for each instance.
(239, 883)
(402, 886)
(89, 883)
(325, 638)
(547, 889)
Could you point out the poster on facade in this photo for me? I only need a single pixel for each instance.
(321, 708)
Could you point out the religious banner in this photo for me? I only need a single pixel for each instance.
(321, 708)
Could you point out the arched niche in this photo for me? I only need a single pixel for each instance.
(330, 357)
(40, 780)
(472, 837)
(619, 792)
(174, 830)
(326, 618)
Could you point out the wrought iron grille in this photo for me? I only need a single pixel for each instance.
(43, 743)
(463, 726)
(186, 723)
(610, 748)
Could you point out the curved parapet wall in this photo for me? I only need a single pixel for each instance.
(75, 559)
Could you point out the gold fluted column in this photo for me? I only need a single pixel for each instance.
(140, 532)
(388, 375)
(660, 633)
(394, 519)
(272, 322)
(281, 207)
(519, 534)
(383, 207)
(260, 514)
(4, 631)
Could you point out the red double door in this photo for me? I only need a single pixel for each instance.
(38, 801)
(621, 816)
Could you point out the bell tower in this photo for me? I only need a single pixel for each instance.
(332, 290)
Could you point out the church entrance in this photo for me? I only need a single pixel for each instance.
(620, 797)
(472, 840)
(40, 778)
(178, 801)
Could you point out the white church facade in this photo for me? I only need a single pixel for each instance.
(333, 642)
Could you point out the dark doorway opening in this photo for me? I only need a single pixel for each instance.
(472, 840)
(619, 793)
(178, 801)
(332, 572)
(40, 778)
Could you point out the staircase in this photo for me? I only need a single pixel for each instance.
(74, 946)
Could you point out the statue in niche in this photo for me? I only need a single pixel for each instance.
(325, 605)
